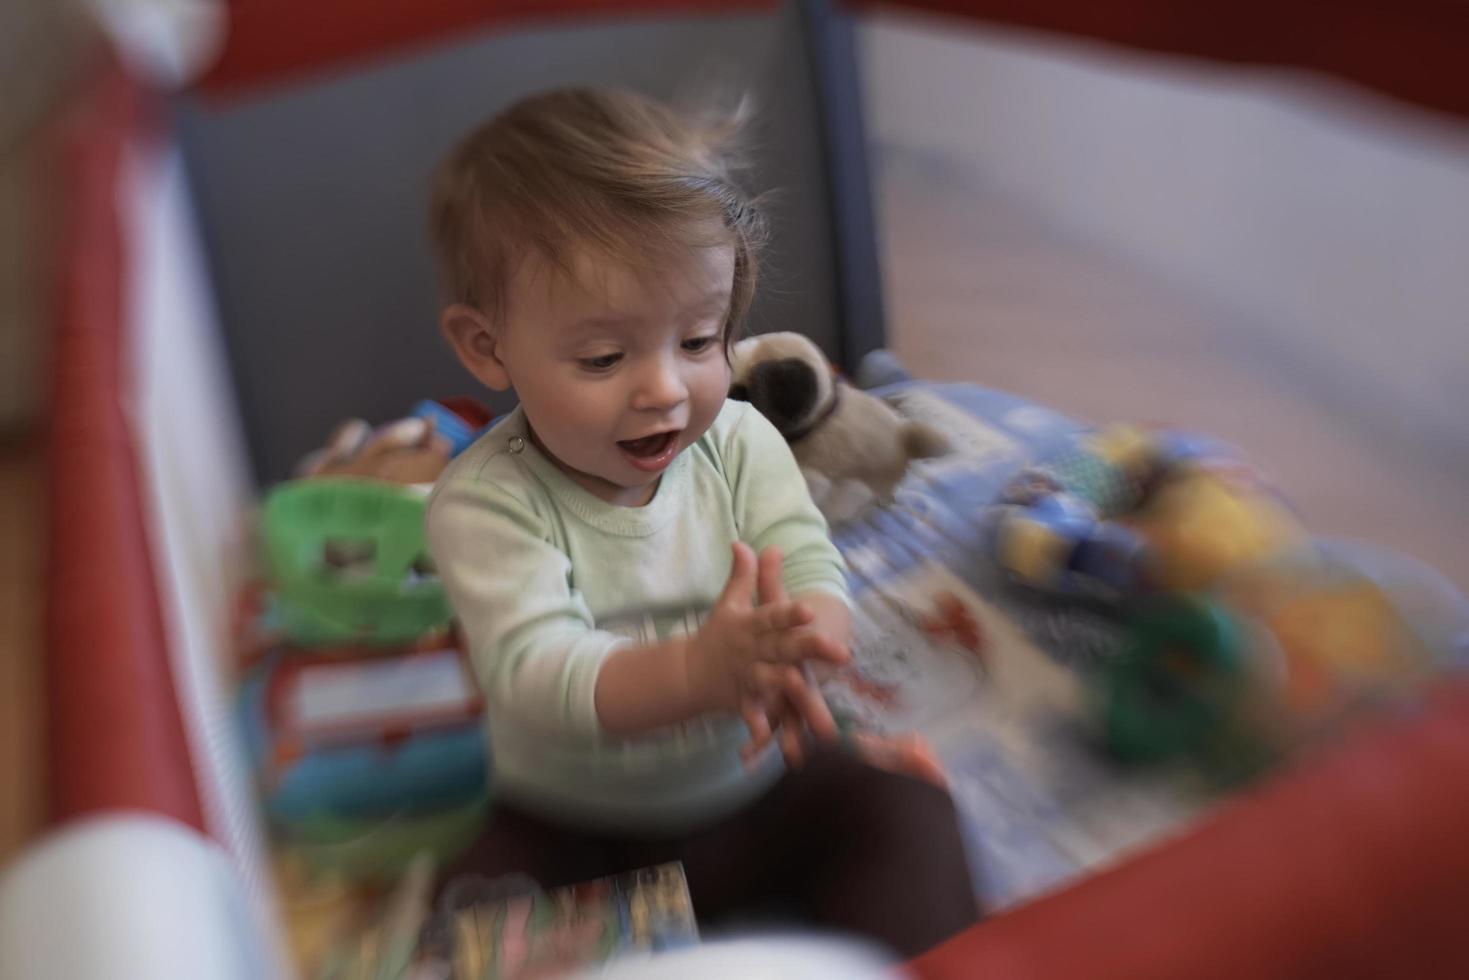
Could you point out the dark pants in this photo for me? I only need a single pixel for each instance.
(840, 844)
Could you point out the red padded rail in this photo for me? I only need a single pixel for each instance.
(1416, 50)
(115, 736)
(273, 41)
(1355, 866)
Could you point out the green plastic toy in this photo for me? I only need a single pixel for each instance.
(347, 557)
(1178, 687)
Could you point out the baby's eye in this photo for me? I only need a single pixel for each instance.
(697, 345)
(604, 362)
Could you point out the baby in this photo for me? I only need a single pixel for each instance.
(642, 579)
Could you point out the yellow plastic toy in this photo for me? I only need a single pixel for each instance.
(1199, 525)
(1340, 637)
(1127, 512)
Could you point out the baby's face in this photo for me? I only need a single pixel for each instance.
(620, 370)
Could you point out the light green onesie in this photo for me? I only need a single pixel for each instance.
(547, 580)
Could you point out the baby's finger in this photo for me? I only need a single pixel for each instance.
(806, 700)
(908, 755)
(739, 591)
(771, 582)
(757, 720)
(796, 646)
(776, 713)
(790, 745)
(775, 617)
(752, 750)
(768, 680)
(789, 729)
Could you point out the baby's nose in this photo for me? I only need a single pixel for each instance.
(660, 387)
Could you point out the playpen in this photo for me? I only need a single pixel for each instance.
(219, 305)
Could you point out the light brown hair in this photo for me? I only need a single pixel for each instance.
(601, 168)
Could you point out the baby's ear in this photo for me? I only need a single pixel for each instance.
(475, 340)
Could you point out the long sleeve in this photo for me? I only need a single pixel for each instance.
(773, 507)
(531, 636)
(547, 581)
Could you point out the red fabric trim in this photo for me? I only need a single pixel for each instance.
(115, 736)
(1416, 50)
(471, 410)
(273, 41)
(1356, 866)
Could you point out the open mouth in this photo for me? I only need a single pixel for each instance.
(650, 452)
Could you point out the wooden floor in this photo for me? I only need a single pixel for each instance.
(979, 290)
(21, 703)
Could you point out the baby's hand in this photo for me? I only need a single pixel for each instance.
(746, 652)
(786, 717)
(795, 705)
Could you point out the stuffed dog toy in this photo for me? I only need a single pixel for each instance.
(837, 433)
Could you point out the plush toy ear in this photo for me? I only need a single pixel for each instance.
(743, 351)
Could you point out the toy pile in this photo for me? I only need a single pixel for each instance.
(1242, 636)
(362, 719)
(1245, 638)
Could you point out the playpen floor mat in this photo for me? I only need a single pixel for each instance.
(993, 676)
(997, 677)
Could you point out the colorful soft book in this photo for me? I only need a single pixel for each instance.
(508, 929)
